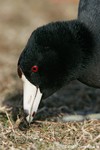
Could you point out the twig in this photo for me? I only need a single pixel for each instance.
(11, 126)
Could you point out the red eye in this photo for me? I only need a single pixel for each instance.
(35, 69)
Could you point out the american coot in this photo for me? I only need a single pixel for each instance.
(60, 52)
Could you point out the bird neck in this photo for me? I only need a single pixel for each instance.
(77, 53)
(83, 40)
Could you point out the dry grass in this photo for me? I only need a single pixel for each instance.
(49, 135)
(18, 19)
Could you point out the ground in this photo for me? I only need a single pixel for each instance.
(67, 120)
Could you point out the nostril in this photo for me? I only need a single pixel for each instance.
(33, 114)
(26, 113)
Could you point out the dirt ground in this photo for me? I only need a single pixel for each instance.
(76, 102)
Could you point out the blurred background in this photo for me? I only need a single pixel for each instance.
(17, 21)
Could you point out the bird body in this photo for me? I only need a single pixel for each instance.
(89, 14)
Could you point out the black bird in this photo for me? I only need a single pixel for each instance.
(60, 52)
